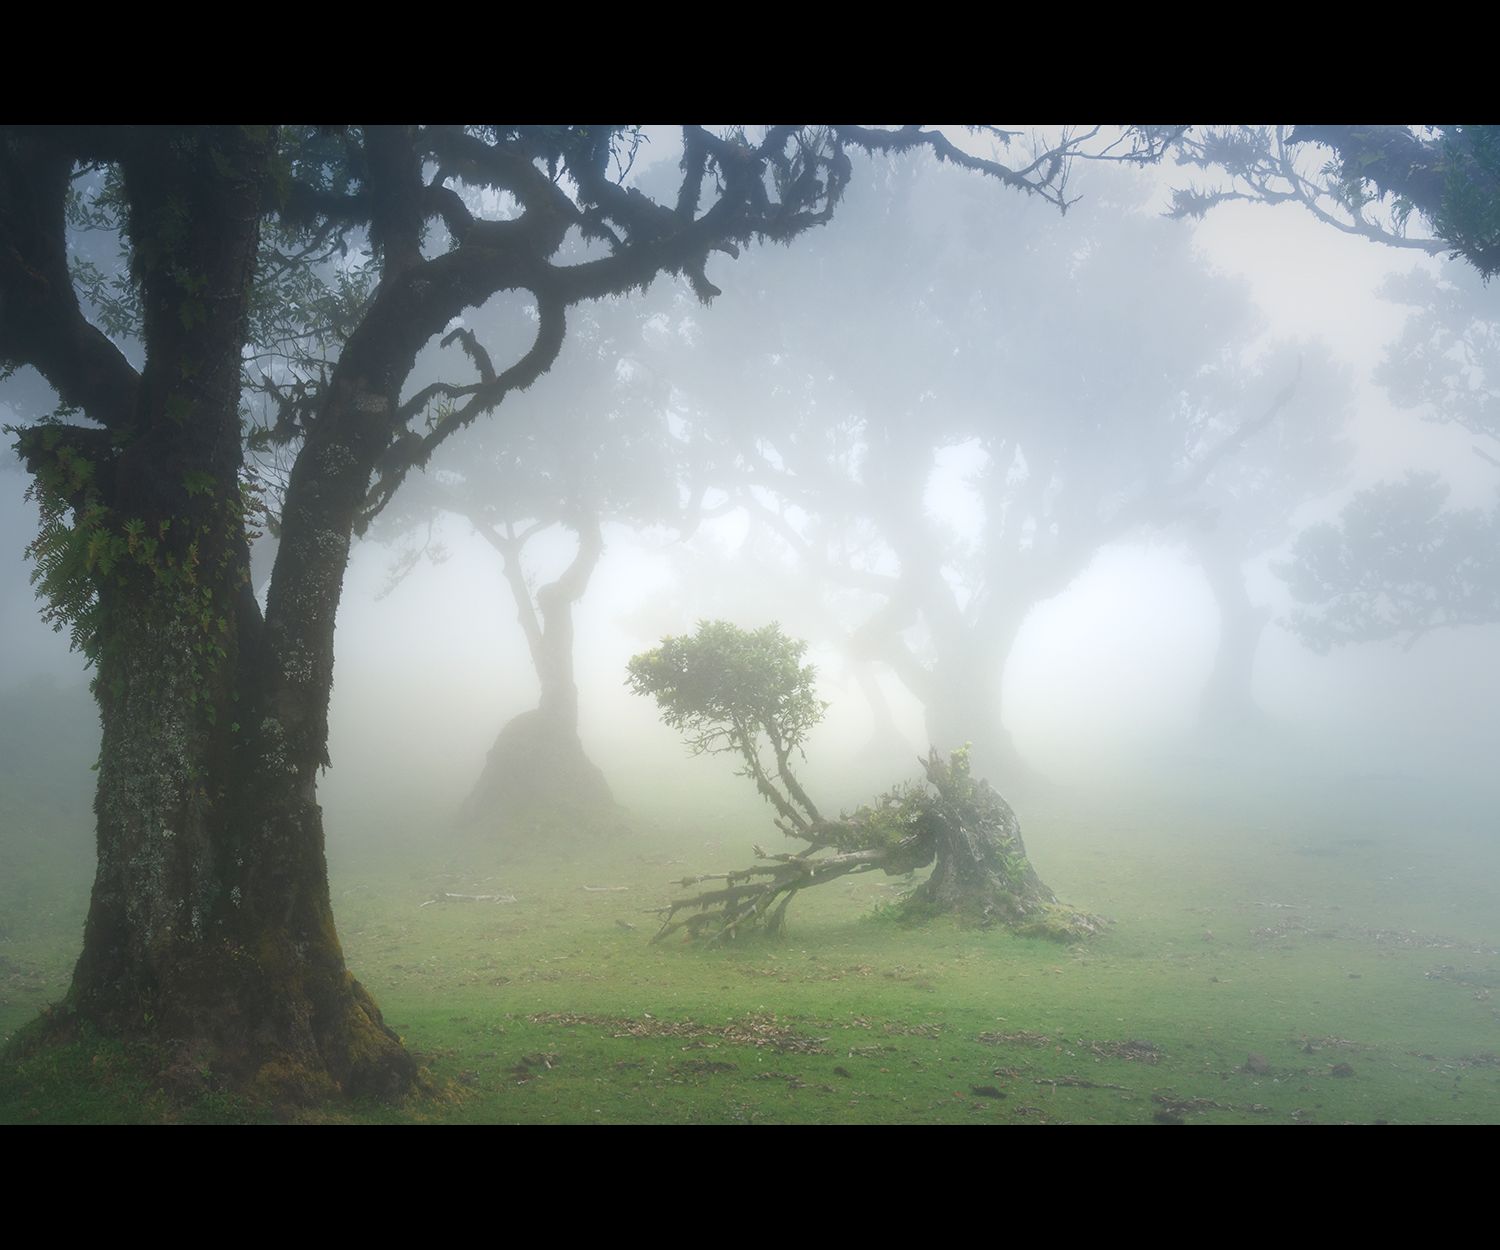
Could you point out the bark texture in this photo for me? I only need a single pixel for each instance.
(981, 869)
(210, 933)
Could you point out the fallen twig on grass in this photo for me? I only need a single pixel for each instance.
(444, 896)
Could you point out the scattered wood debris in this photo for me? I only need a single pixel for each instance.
(1411, 939)
(1134, 1049)
(1311, 1045)
(1175, 1104)
(445, 896)
(1077, 1082)
(752, 1030)
(1020, 1037)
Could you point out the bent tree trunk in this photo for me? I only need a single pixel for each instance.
(981, 872)
(537, 770)
(210, 934)
(981, 869)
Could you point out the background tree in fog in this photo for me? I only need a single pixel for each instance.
(590, 444)
(1398, 562)
(1086, 372)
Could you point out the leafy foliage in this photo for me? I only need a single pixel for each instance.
(724, 686)
(1380, 177)
(1283, 165)
(1468, 217)
(70, 551)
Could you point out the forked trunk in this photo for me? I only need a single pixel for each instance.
(538, 773)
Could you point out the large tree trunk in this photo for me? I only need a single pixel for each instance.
(210, 930)
(210, 934)
(537, 774)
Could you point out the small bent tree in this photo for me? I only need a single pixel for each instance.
(729, 690)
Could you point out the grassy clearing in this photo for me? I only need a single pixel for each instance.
(1256, 972)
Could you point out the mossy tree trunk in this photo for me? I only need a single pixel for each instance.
(981, 870)
(537, 767)
(210, 933)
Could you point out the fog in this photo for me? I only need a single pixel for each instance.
(1105, 675)
(1038, 482)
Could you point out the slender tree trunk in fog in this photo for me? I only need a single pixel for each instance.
(538, 766)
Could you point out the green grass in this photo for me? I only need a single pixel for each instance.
(1363, 944)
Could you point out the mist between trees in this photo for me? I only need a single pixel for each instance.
(508, 406)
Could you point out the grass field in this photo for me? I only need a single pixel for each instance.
(1328, 971)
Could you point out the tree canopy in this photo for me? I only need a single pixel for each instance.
(1379, 179)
